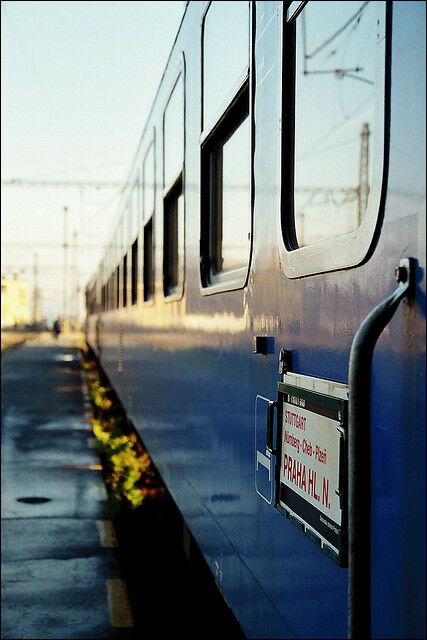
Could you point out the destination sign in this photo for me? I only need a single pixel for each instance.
(311, 472)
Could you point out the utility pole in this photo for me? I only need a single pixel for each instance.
(363, 188)
(36, 292)
(65, 320)
(75, 283)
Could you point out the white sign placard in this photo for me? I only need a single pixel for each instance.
(311, 445)
(310, 459)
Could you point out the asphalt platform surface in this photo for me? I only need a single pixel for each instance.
(69, 569)
(60, 572)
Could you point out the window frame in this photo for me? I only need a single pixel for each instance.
(177, 77)
(134, 272)
(117, 279)
(351, 249)
(134, 242)
(170, 191)
(125, 274)
(174, 292)
(147, 219)
(221, 128)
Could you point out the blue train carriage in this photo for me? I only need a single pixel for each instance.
(260, 309)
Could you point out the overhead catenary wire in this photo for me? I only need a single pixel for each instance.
(337, 33)
(335, 128)
(339, 72)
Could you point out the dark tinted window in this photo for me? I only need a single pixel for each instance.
(125, 280)
(149, 193)
(134, 273)
(226, 208)
(117, 296)
(148, 261)
(172, 247)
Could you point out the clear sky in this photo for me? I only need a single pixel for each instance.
(78, 81)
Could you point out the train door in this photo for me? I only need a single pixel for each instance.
(331, 457)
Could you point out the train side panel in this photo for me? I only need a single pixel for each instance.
(189, 379)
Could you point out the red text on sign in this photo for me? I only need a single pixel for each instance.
(298, 474)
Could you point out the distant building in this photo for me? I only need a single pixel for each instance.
(15, 302)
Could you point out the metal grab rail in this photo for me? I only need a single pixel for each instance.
(359, 485)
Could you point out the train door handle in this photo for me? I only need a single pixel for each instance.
(272, 404)
(359, 485)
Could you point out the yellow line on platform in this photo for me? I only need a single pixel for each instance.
(118, 603)
(107, 535)
(86, 467)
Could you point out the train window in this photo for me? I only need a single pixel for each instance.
(148, 261)
(225, 56)
(173, 239)
(111, 297)
(134, 207)
(334, 62)
(125, 280)
(226, 197)
(173, 202)
(173, 135)
(117, 296)
(109, 302)
(103, 304)
(148, 182)
(226, 147)
(134, 272)
(149, 199)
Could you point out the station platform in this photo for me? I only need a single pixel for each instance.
(61, 576)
